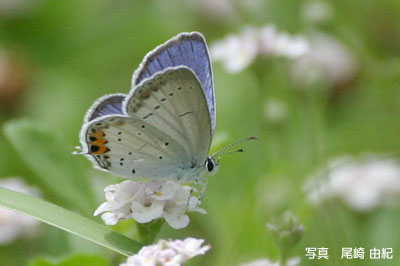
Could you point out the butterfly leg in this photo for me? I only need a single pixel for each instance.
(192, 189)
(202, 181)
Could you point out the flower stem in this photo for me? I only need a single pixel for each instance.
(282, 257)
(146, 233)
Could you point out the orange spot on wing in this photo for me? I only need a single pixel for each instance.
(102, 149)
(98, 134)
(99, 142)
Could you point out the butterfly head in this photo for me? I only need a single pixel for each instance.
(211, 165)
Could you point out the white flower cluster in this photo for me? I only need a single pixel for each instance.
(236, 52)
(145, 202)
(13, 224)
(168, 253)
(362, 183)
(266, 262)
(314, 57)
(328, 60)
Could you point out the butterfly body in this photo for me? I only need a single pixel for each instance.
(161, 130)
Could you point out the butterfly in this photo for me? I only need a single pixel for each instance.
(162, 129)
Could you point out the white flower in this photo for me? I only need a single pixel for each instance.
(168, 253)
(362, 183)
(328, 60)
(266, 262)
(13, 224)
(214, 9)
(275, 110)
(145, 202)
(237, 52)
(282, 44)
(316, 11)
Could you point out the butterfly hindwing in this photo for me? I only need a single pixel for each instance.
(186, 49)
(106, 105)
(130, 147)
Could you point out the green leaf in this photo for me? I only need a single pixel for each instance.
(76, 260)
(41, 262)
(68, 221)
(51, 160)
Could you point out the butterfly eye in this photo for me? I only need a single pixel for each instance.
(211, 166)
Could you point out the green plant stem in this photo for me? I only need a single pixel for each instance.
(282, 257)
(148, 232)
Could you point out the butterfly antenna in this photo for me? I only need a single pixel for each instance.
(221, 151)
(228, 152)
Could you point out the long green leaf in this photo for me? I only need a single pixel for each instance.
(51, 160)
(68, 221)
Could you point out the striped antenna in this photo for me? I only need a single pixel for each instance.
(221, 151)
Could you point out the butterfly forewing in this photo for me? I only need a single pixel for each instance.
(177, 106)
(166, 131)
(186, 49)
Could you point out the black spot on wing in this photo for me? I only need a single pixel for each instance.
(186, 113)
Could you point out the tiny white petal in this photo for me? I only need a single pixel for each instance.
(176, 220)
(193, 202)
(145, 214)
(102, 208)
(109, 218)
(164, 191)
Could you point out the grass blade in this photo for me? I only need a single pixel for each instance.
(53, 164)
(68, 221)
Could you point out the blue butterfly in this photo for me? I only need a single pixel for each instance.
(164, 127)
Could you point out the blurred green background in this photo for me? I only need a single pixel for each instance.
(63, 55)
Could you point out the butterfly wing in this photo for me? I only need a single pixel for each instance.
(106, 105)
(186, 49)
(164, 133)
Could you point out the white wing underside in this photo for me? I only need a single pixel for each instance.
(164, 133)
